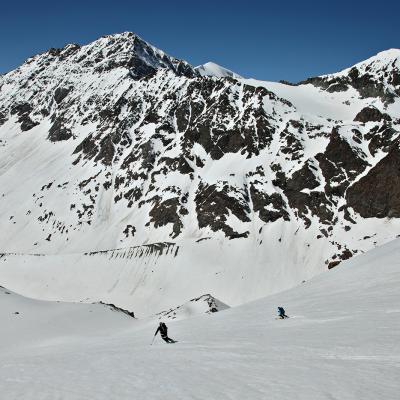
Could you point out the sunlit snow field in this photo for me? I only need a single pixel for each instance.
(341, 342)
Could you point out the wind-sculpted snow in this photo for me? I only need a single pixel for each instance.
(116, 145)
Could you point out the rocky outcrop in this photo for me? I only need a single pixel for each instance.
(304, 178)
(215, 203)
(377, 77)
(168, 212)
(23, 110)
(113, 307)
(340, 164)
(3, 118)
(371, 114)
(377, 194)
(61, 93)
(381, 137)
(205, 304)
(269, 207)
(59, 131)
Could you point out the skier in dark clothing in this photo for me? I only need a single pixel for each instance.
(281, 313)
(162, 328)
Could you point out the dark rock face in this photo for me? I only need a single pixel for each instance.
(106, 151)
(306, 204)
(339, 164)
(168, 212)
(333, 264)
(87, 147)
(381, 137)
(395, 78)
(292, 147)
(304, 178)
(3, 118)
(145, 58)
(214, 204)
(61, 93)
(330, 85)
(262, 203)
(23, 110)
(215, 138)
(59, 130)
(177, 164)
(314, 203)
(378, 193)
(26, 123)
(368, 114)
(368, 86)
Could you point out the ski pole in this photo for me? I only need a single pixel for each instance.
(152, 341)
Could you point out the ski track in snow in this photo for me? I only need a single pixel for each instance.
(341, 343)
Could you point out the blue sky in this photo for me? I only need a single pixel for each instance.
(268, 40)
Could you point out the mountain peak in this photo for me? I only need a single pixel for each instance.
(375, 77)
(212, 69)
(120, 50)
(141, 57)
(389, 53)
(117, 35)
(384, 61)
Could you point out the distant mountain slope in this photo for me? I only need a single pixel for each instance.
(115, 148)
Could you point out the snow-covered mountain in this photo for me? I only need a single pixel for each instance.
(130, 177)
(212, 69)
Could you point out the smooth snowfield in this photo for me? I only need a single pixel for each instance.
(341, 343)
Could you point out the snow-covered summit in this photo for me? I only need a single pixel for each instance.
(376, 77)
(212, 69)
(122, 50)
(382, 61)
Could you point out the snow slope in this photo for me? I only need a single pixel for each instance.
(314, 104)
(40, 323)
(147, 280)
(341, 342)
